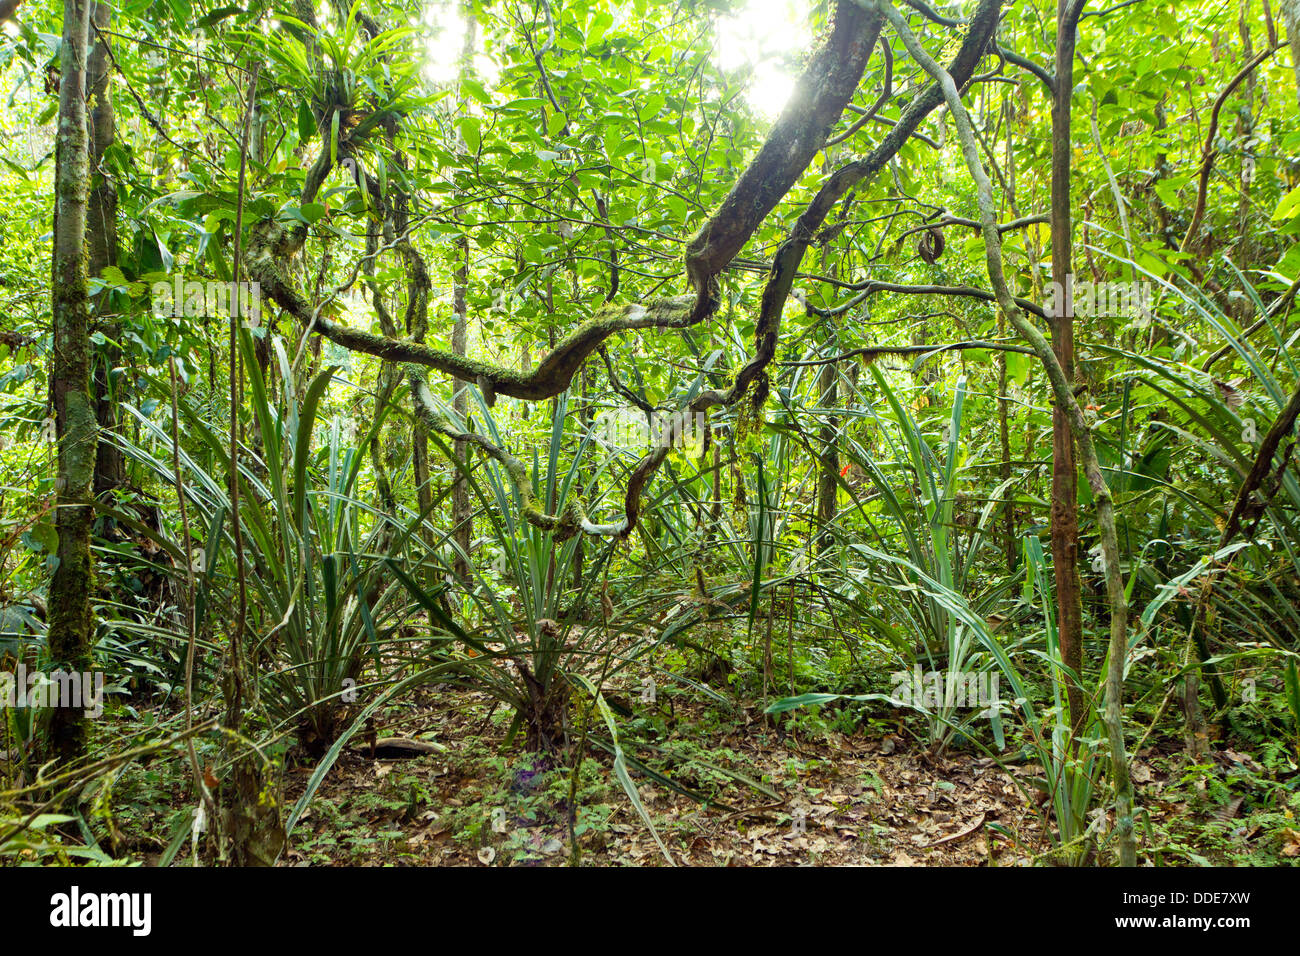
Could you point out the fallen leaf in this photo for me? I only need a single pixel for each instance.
(1290, 843)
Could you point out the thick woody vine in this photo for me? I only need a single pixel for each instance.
(822, 94)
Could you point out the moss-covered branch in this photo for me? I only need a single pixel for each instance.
(550, 377)
(823, 91)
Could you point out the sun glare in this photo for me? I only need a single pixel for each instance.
(443, 47)
(763, 35)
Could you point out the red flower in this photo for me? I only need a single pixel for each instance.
(844, 471)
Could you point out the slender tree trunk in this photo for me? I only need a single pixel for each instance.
(1065, 493)
(420, 464)
(828, 397)
(70, 615)
(254, 824)
(417, 325)
(1063, 393)
(1244, 245)
(828, 476)
(1004, 471)
(1010, 538)
(101, 249)
(420, 467)
(461, 514)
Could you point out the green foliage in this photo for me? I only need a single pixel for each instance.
(559, 170)
(314, 552)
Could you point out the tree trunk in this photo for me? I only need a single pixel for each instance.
(101, 252)
(1065, 494)
(828, 397)
(1004, 470)
(1010, 538)
(828, 475)
(70, 616)
(462, 516)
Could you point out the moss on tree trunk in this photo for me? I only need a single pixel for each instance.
(74, 412)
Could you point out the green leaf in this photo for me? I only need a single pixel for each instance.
(306, 122)
(471, 132)
(1288, 206)
(1017, 367)
(312, 212)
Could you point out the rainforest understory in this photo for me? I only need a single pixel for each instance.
(664, 433)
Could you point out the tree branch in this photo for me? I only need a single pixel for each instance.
(1209, 153)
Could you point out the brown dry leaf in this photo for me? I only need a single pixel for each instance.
(1245, 760)
(1231, 392)
(1290, 843)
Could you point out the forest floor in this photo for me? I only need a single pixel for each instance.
(723, 784)
(864, 798)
